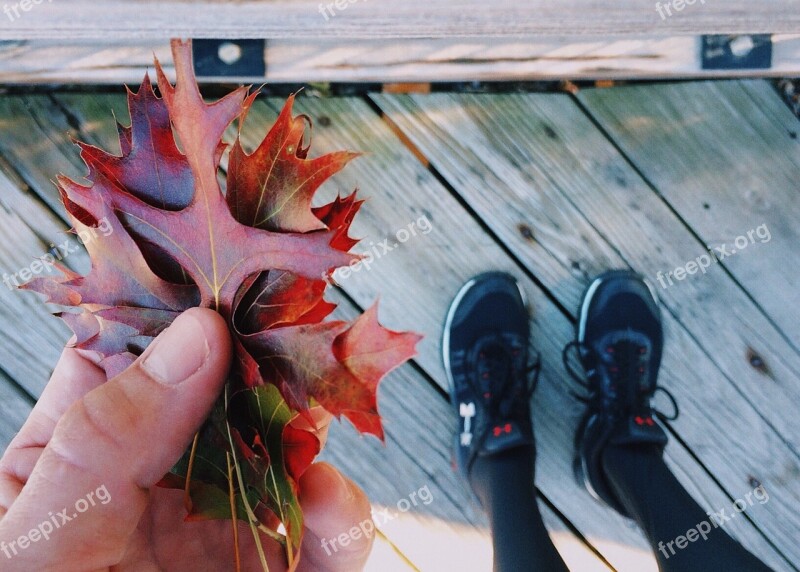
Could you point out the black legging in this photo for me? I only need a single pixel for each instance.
(645, 486)
(665, 511)
(504, 484)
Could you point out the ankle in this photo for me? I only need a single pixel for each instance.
(620, 461)
(511, 469)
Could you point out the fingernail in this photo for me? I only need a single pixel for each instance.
(178, 352)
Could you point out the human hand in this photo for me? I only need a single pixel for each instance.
(98, 447)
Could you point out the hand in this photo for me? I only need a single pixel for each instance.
(97, 448)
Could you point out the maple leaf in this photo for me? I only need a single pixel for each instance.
(259, 254)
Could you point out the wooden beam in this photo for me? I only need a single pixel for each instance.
(111, 61)
(127, 19)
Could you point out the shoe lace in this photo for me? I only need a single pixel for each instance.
(502, 371)
(621, 361)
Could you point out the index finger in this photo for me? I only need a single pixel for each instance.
(74, 376)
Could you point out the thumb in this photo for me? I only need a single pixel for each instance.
(339, 527)
(89, 489)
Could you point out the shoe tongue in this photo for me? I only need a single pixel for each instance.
(496, 355)
(494, 368)
(495, 361)
(621, 354)
(492, 350)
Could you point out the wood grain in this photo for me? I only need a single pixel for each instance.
(30, 339)
(416, 281)
(420, 279)
(31, 126)
(15, 405)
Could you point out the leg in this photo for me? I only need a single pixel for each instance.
(504, 485)
(664, 510)
(485, 346)
(620, 443)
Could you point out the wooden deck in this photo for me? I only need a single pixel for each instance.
(553, 188)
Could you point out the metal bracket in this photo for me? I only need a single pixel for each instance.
(229, 58)
(736, 52)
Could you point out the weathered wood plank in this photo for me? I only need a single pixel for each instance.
(126, 19)
(29, 228)
(418, 279)
(18, 197)
(26, 353)
(726, 156)
(31, 125)
(15, 405)
(400, 322)
(387, 60)
(564, 201)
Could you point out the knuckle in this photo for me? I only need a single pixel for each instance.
(108, 414)
(10, 488)
(64, 458)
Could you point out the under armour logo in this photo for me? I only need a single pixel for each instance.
(467, 411)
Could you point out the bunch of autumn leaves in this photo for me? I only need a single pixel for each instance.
(258, 254)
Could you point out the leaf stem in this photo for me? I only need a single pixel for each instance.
(187, 497)
(379, 533)
(277, 536)
(234, 518)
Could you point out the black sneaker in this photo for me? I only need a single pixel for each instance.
(619, 341)
(485, 348)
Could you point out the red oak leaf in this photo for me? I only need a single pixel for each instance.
(281, 298)
(337, 216)
(281, 163)
(331, 358)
